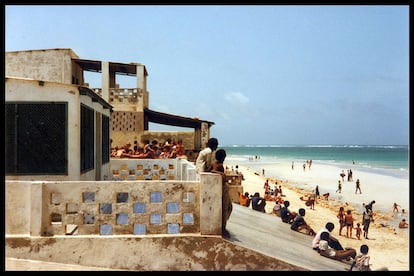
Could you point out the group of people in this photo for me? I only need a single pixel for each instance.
(329, 246)
(150, 150)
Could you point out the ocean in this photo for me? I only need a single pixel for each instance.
(390, 160)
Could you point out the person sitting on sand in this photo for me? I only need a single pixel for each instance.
(329, 252)
(285, 213)
(299, 223)
(326, 196)
(403, 224)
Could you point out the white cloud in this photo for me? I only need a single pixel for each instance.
(236, 98)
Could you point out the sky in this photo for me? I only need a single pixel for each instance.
(265, 74)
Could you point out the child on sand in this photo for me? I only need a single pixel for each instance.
(358, 231)
(361, 262)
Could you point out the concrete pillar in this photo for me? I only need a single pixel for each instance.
(36, 203)
(141, 85)
(210, 203)
(105, 80)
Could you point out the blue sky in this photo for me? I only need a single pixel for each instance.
(271, 74)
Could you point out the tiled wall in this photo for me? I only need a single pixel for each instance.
(151, 169)
(114, 208)
(138, 207)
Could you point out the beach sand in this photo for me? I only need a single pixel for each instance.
(388, 245)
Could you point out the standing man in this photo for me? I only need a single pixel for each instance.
(206, 157)
(357, 187)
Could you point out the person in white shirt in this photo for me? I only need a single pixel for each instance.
(333, 242)
(206, 157)
(327, 251)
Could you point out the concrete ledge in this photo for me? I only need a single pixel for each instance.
(190, 253)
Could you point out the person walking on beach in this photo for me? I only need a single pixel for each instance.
(206, 157)
(395, 207)
(226, 205)
(339, 187)
(293, 165)
(358, 186)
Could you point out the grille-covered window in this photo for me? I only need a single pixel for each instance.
(87, 138)
(36, 138)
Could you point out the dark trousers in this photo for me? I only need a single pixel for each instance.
(335, 245)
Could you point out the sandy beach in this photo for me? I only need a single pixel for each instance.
(388, 244)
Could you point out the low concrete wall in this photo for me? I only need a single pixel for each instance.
(150, 253)
(114, 207)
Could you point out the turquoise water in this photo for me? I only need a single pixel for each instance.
(384, 159)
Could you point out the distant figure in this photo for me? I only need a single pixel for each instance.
(293, 165)
(326, 196)
(258, 203)
(304, 166)
(205, 158)
(358, 186)
(403, 224)
(342, 175)
(361, 262)
(299, 223)
(395, 207)
(263, 172)
(339, 187)
(317, 192)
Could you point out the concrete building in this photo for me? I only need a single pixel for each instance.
(58, 127)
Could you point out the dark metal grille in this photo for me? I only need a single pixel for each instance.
(87, 138)
(36, 138)
(105, 140)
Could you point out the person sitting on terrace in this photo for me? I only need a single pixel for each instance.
(299, 223)
(258, 203)
(244, 200)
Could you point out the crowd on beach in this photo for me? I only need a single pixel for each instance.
(211, 159)
(150, 150)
